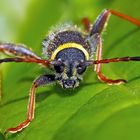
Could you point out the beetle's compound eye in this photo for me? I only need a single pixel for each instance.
(59, 68)
(81, 69)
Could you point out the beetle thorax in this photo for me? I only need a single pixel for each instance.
(68, 35)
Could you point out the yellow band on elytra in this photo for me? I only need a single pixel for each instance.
(70, 45)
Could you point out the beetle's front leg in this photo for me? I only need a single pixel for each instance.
(17, 50)
(97, 29)
(22, 54)
(98, 68)
(102, 20)
(42, 80)
(86, 23)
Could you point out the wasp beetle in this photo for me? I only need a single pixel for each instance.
(68, 51)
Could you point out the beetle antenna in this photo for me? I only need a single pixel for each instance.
(26, 60)
(121, 59)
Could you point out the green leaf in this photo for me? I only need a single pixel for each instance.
(94, 110)
(2, 136)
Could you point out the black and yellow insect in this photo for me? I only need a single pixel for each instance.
(68, 52)
(70, 49)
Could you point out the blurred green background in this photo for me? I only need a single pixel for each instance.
(93, 111)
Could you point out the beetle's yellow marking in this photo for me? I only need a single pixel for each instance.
(70, 45)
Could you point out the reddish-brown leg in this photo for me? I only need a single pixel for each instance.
(22, 54)
(87, 24)
(30, 113)
(17, 50)
(98, 68)
(103, 18)
(123, 16)
(98, 27)
(42, 80)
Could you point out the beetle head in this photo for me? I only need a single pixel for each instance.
(69, 73)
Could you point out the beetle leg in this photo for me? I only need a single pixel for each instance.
(87, 24)
(98, 68)
(22, 54)
(98, 27)
(42, 80)
(102, 20)
(17, 50)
